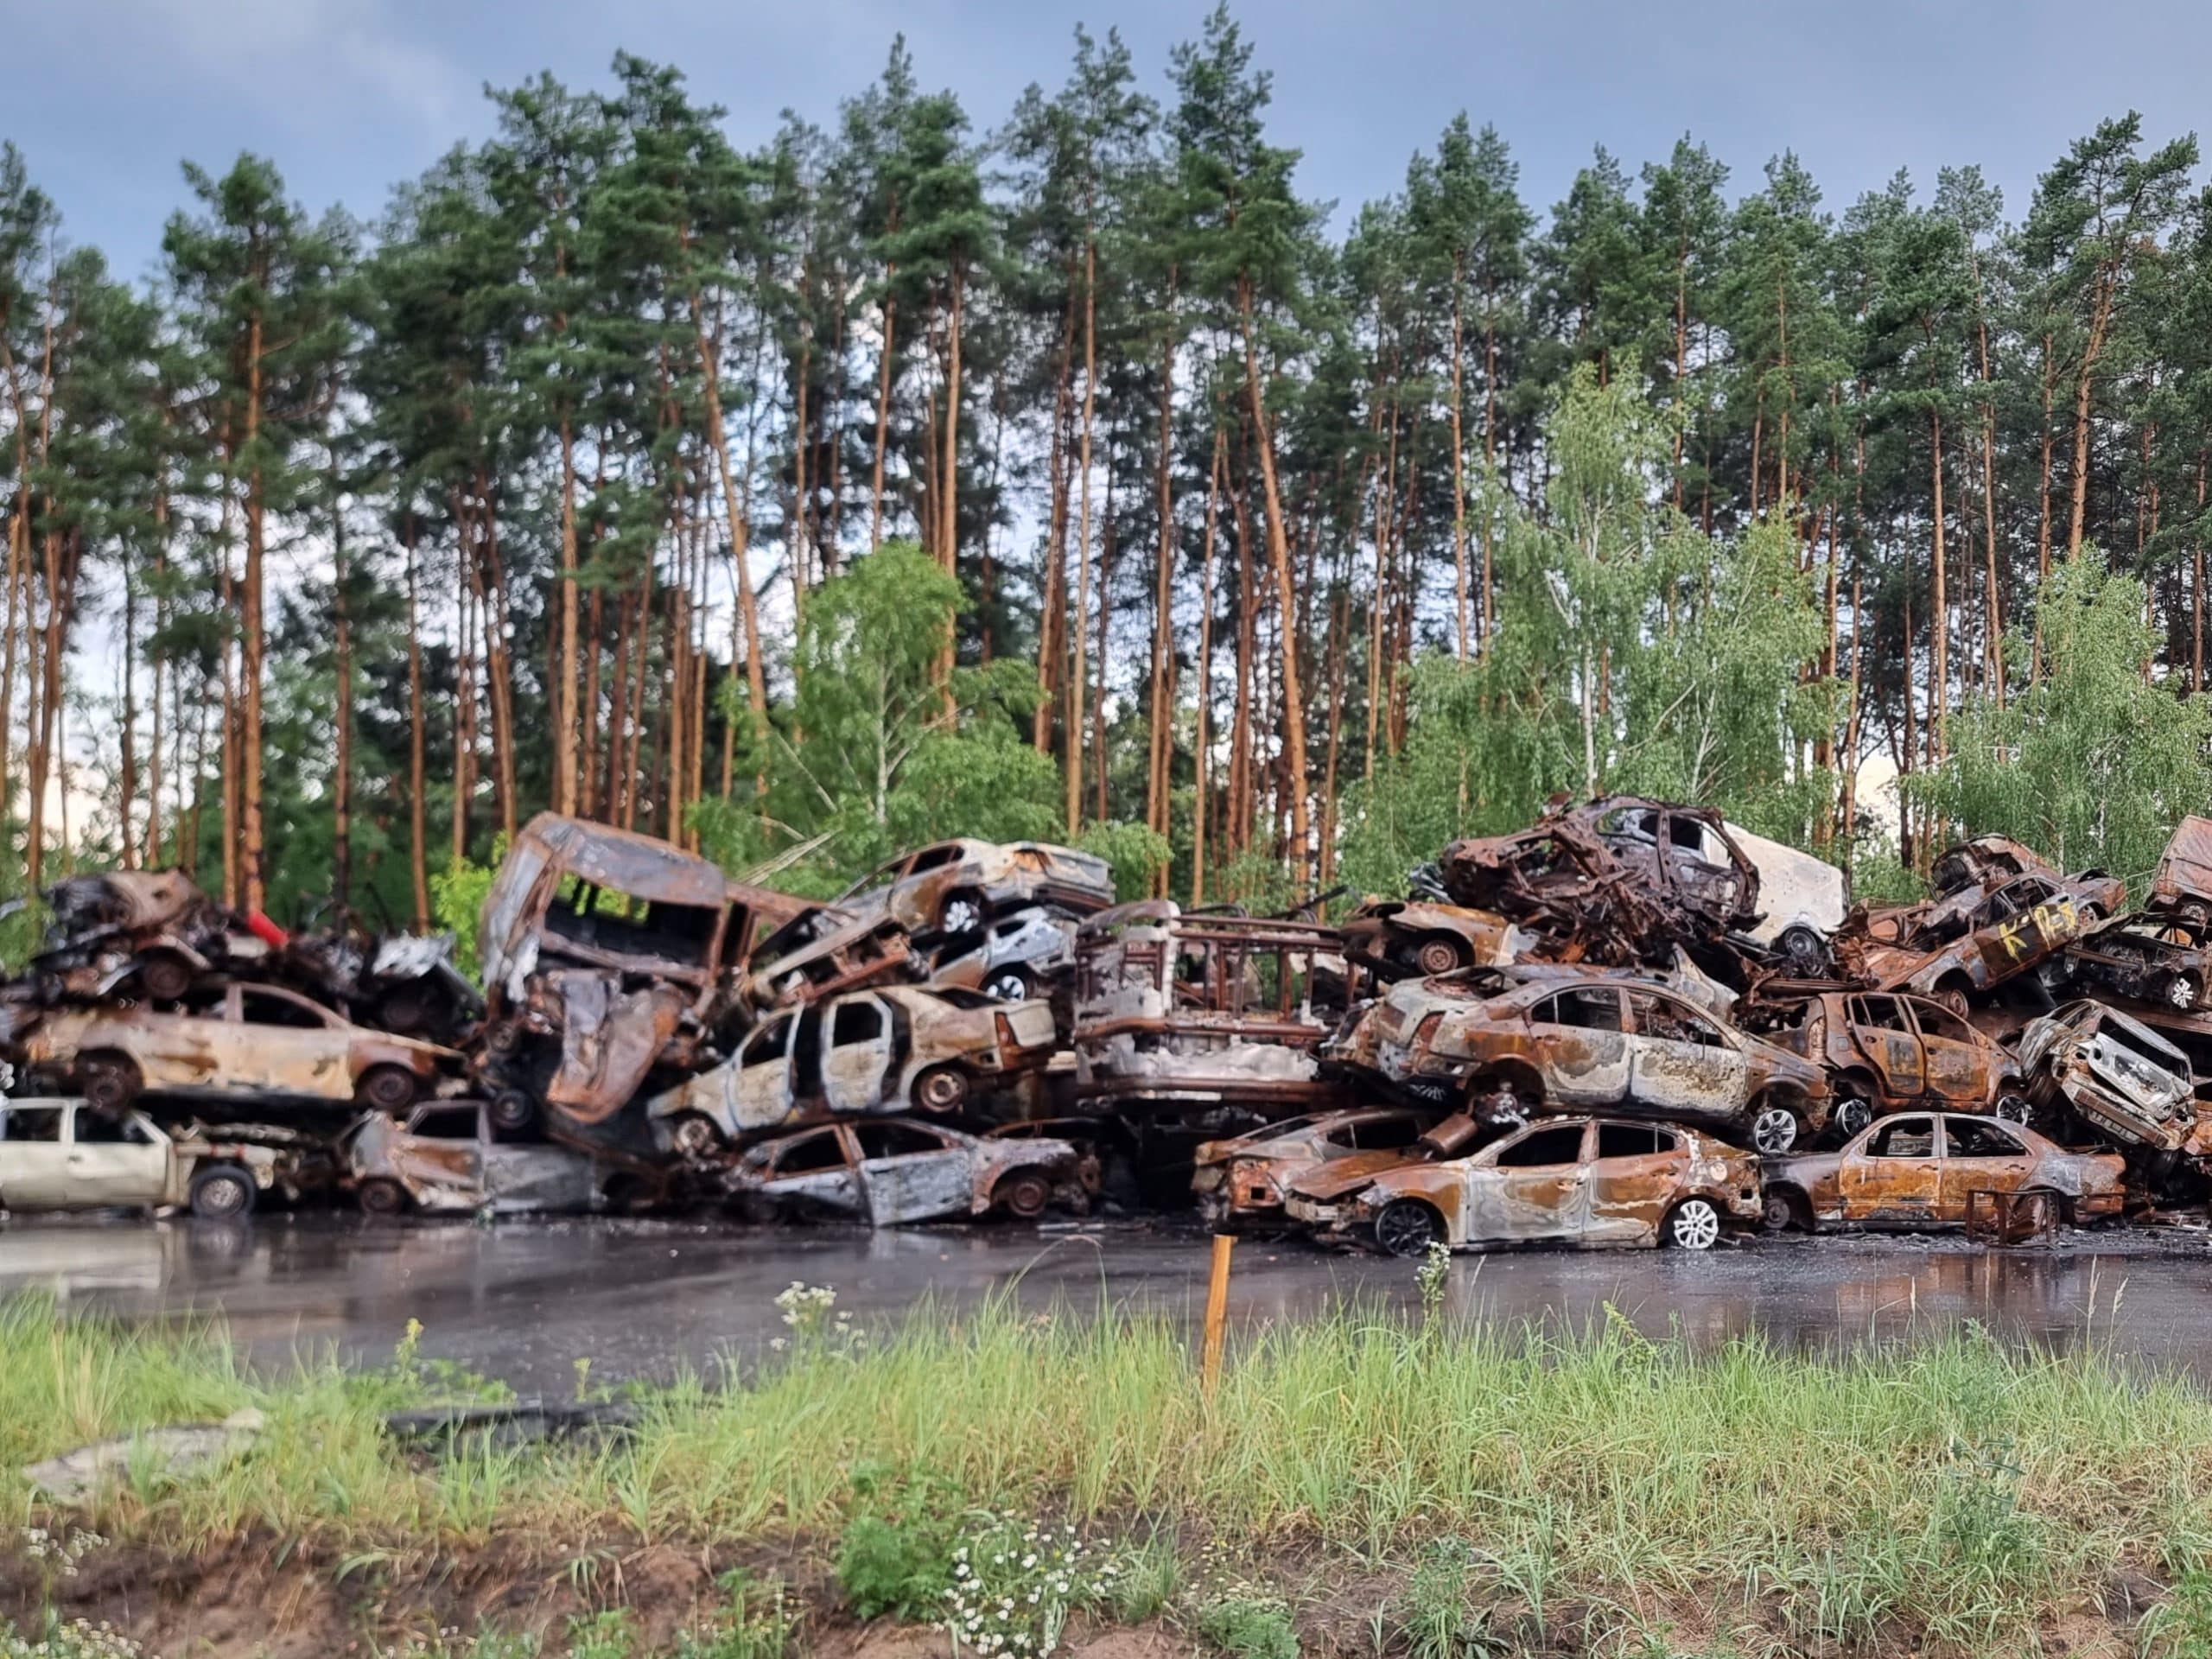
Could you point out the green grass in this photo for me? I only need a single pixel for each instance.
(1959, 1489)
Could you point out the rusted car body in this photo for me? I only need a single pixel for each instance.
(1398, 937)
(2182, 885)
(607, 958)
(952, 889)
(2164, 957)
(1885, 1052)
(2021, 927)
(1509, 1044)
(1580, 1181)
(153, 933)
(244, 1040)
(886, 1049)
(1919, 1171)
(68, 1155)
(1617, 881)
(2119, 1077)
(1021, 954)
(1176, 1008)
(1245, 1177)
(448, 1158)
(1984, 864)
(890, 1172)
(822, 951)
(401, 982)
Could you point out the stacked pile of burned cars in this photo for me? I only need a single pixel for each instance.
(1631, 1023)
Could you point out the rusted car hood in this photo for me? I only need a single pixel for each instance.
(1327, 1182)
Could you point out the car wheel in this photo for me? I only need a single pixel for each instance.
(413, 1010)
(381, 1198)
(1439, 956)
(961, 914)
(512, 1111)
(694, 1135)
(109, 1081)
(1024, 1193)
(941, 1089)
(2182, 992)
(1804, 953)
(1693, 1224)
(164, 976)
(1854, 1114)
(1008, 985)
(386, 1089)
(1773, 1130)
(1953, 997)
(1407, 1227)
(1780, 1212)
(222, 1192)
(2015, 1108)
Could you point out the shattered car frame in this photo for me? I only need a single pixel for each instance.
(892, 1171)
(2119, 1077)
(68, 1155)
(1398, 937)
(2164, 957)
(1205, 1008)
(1245, 1177)
(1582, 1181)
(2019, 928)
(447, 1157)
(1887, 1051)
(951, 888)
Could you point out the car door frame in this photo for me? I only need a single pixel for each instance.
(105, 1174)
(1907, 1209)
(1607, 1083)
(1652, 1055)
(889, 1184)
(837, 1189)
(1956, 1181)
(1627, 1188)
(875, 1069)
(1866, 1033)
(1493, 1193)
(42, 1166)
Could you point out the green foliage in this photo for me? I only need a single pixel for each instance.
(1136, 851)
(757, 1619)
(1246, 1625)
(605, 1635)
(895, 1555)
(2093, 761)
(1441, 1620)
(457, 895)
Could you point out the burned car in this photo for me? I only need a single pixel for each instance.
(607, 960)
(1618, 880)
(2182, 885)
(889, 1173)
(2165, 958)
(152, 932)
(448, 1159)
(1922, 1171)
(1984, 864)
(1202, 1008)
(1801, 903)
(1244, 1178)
(1889, 1053)
(1016, 958)
(404, 983)
(821, 952)
(239, 1041)
(891, 1049)
(1509, 1044)
(952, 889)
(69, 1154)
(2117, 1074)
(1579, 1181)
(1398, 937)
(2020, 928)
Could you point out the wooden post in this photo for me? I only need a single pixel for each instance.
(1216, 1314)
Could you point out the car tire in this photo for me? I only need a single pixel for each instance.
(1406, 1227)
(512, 1111)
(1853, 1116)
(221, 1192)
(109, 1082)
(1804, 953)
(1009, 985)
(941, 1091)
(389, 1089)
(1693, 1224)
(1436, 956)
(380, 1197)
(961, 914)
(1782, 1210)
(1774, 1129)
(164, 976)
(2014, 1107)
(1022, 1193)
(693, 1134)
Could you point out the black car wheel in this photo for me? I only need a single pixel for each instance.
(222, 1192)
(1407, 1227)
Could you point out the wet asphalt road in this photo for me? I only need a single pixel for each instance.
(522, 1300)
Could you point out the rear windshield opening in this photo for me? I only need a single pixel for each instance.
(602, 919)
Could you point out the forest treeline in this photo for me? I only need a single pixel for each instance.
(1085, 479)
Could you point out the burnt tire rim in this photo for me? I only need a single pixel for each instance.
(2180, 993)
(381, 1199)
(1773, 1130)
(1695, 1225)
(388, 1089)
(941, 1091)
(1853, 1116)
(695, 1137)
(1405, 1228)
(1776, 1214)
(109, 1085)
(512, 1111)
(2015, 1108)
(164, 979)
(960, 915)
(1437, 957)
(1026, 1196)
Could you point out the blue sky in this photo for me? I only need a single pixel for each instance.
(107, 97)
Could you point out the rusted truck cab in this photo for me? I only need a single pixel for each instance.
(607, 957)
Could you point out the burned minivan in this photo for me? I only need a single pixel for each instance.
(607, 959)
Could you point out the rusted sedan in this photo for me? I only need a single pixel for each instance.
(2150, 956)
(1578, 1181)
(952, 889)
(2020, 928)
(1920, 1171)
(889, 1173)
(887, 1049)
(1398, 937)
(1244, 1179)
(448, 1158)
(245, 1040)
(1890, 1053)
(1506, 1045)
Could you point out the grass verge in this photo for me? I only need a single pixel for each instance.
(1468, 1491)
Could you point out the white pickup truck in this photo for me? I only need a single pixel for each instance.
(66, 1155)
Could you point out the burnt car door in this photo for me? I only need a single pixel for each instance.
(1958, 1064)
(1680, 1060)
(1979, 1156)
(909, 1172)
(114, 1160)
(760, 1088)
(34, 1146)
(1702, 865)
(1635, 1172)
(1534, 1186)
(440, 1157)
(271, 1039)
(858, 1037)
(522, 1176)
(2022, 923)
(815, 1170)
(1578, 1043)
(1892, 1177)
(1885, 1033)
